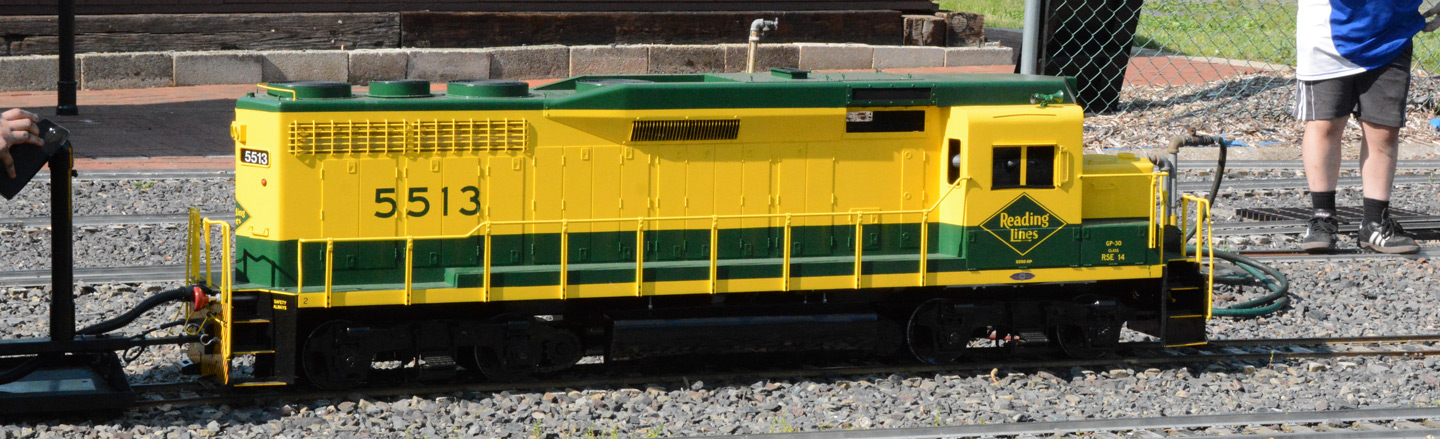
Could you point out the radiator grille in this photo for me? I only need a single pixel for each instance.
(364, 136)
(680, 130)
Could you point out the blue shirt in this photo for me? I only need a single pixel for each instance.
(1336, 38)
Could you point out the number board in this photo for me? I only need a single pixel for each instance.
(255, 157)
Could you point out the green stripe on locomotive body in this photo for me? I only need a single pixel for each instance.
(682, 255)
(760, 90)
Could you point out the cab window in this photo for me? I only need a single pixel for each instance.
(1024, 167)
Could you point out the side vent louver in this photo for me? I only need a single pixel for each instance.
(680, 130)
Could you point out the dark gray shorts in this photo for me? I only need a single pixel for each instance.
(1376, 96)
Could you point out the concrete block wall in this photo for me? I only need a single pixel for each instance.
(164, 69)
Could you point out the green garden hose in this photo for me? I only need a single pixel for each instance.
(1253, 272)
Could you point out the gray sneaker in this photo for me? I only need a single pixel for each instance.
(1320, 237)
(1386, 236)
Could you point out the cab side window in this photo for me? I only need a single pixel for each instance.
(1023, 167)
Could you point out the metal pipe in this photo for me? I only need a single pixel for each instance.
(62, 257)
(1030, 38)
(65, 97)
(757, 28)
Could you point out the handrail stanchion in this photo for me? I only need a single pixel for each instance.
(226, 302)
(1150, 234)
(330, 272)
(299, 267)
(639, 255)
(714, 250)
(409, 271)
(226, 299)
(564, 257)
(859, 245)
(924, 245)
(1184, 218)
(785, 269)
(208, 270)
(485, 275)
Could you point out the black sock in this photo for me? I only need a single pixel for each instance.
(1323, 201)
(1376, 210)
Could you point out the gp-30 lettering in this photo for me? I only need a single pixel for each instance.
(417, 201)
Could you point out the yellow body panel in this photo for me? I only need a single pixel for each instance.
(801, 161)
(1113, 183)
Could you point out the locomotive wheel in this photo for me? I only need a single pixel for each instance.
(1075, 343)
(331, 363)
(522, 357)
(934, 337)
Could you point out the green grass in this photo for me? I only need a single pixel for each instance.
(1255, 30)
(998, 13)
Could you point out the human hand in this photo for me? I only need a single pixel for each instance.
(1434, 23)
(16, 127)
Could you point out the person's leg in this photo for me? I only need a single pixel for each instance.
(1325, 106)
(1380, 106)
(1378, 152)
(1320, 148)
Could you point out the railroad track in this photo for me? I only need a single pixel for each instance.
(1359, 424)
(1296, 183)
(1296, 164)
(111, 220)
(1142, 354)
(145, 174)
(131, 274)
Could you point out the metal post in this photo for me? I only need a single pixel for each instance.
(66, 85)
(1029, 45)
(62, 257)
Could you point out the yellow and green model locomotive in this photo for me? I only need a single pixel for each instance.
(512, 230)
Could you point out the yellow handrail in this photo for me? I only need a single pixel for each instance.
(859, 245)
(714, 250)
(639, 256)
(564, 258)
(329, 273)
(224, 289)
(1155, 178)
(485, 274)
(924, 245)
(293, 95)
(785, 269)
(486, 229)
(1204, 235)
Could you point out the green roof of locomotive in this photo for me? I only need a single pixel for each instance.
(781, 88)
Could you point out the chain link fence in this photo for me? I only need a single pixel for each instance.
(1153, 69)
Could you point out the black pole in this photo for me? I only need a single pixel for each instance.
(66, 86)
(62, 243)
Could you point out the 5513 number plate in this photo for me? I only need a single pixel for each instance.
(254, 157)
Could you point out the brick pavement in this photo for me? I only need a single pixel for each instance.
(189, 127)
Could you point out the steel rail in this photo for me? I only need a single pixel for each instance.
(147, 174)
(1341, 255)
(1292, 226)
(1194, 164)
(1297, 183)
(1228, 350)
(106, 220)
(130, 274)
(1166, 422)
